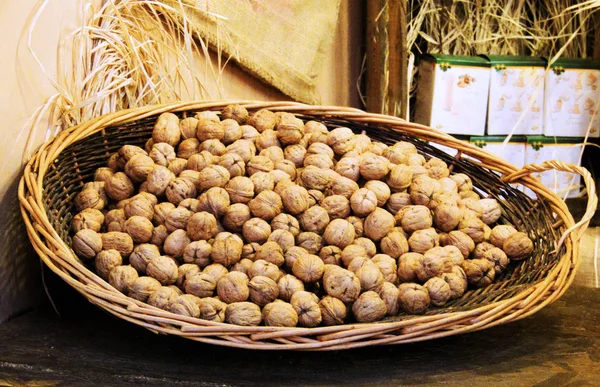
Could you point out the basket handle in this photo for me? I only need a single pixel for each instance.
(564, 167)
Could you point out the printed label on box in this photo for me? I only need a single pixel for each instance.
(562, 183)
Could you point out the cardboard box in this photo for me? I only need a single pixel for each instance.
(567, 149)
(452, 93)
(516, 98)
(572, 98)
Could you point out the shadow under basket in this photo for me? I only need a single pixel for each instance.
(62, 165)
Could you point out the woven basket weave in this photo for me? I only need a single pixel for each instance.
(62, 165)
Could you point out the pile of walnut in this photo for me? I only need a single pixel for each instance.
(268, 219)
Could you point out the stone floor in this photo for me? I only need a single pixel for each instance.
(558, 346)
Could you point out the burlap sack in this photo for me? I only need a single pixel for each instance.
(281, 42)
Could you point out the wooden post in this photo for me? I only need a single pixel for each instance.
(377, 45)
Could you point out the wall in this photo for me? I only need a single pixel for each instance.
(25, 87)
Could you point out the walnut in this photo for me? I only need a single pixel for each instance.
(349, 167)
(176, 242)
(418, 171)
(113, 162)
(341, 140)
(457, 282)
(333, 311)
(106, 260)
(126, 152)
(314, 197)
(306, 306)
(480, 272)
(283, 238)
(319, 148)
(446, 217)
(498, 258)
(162, 154)
(187, 148)
(400, 178)
(191, 204)
(266, 205)
(378, 224)
(232, 131)
(339, 233)
(363, 144)
(414, 298)
(331, 255)
(491, 210)
(369, 307)
(313, 177)
(216, 271)
(439, 291)
(295, 153)
(142, 254)
(166, 129)
(387, 266)
(413, 218)
(373, 167)
(249, 251)
(99, 187)
(399, 152)
(143, 287)
(140, 205)
(389, 294)
(308, 268)
(256, 230)
(395, 244)
(159, 179)
(208, 129)
(88, 218)
(437, 169)
(263, 290)
(352, 251)
(286, 167)
(233, 163)
(266, 139)
(358, 263)
(463, 182)
(162, 297)
(380, 189)
(288, 285)
(337, 206)
(235, 217)
(436, 261)
(185, 305)
(264, 268)
(198, 162)
(290, 129)
(292, 254)
(139, 228)
(215, 200)
(472, 208)
(341, 283)
(416, 160)
(410, 268)
(310, 241)
(363, 202)
(119, 187)
(198, 252)
(270, 252)
(212, 309)
(263, 120)
(103, 174)
(249, 133)
(517, 246)
(286, 222)
(500, 233)
(121, 278)
(459, 239)
(480, 249)
(279, 314)
(370, 277)
(138, 167)
(454, 254)
(119, 241)
(422, 190)
(159, 234)
(367, 244)
(422, 240)
(164, 269)
(358, 225)
(243, 265)
(244, 148)
(281, 185)
(295, 199)
(243, 313)
(226, 249)
(233, 287)
(235, 112)
(343, 186)
(240, 189)
(200, 285)
(318, 160)
(473, 227)
(213, 176)
(187, 127)
(185, 271)
(178, 219)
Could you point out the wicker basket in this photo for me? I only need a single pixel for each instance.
(61, 166)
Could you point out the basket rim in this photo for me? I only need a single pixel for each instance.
(61, 260)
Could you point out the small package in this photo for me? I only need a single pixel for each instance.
(572, 98)
(513, 151)
(566, 149)
(452, 93)
(516, 101)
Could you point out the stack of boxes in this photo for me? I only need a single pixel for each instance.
(546, 112)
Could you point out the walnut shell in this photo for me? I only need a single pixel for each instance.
(500, 233)
(480, 272)
(358, 225)
(373, 167)
(369, 307)
(358, 263)
(288, 285)
(176, 242)
(138, 167)
(308, 268)
(245, 148)
(436, 261)
(126, 152)
(226, 249)
(473, 227)
(480, 250)
(314, 197)
(264, 268)
(518, 246)
(295, 153)
(140, 205)
(240, 189)
(162, 297)
(159, 234)
(389, 294)
(263, 120)
(243, 265)
(233, 287)
(185, 271)
(337, 206)
(162, 154)
(367, 244)
(498, 258)
(200, 285)
(422, 190)
(290, 129)
(121, 278)
(185, 305)
(197, 162)
(166, 129)
(243, 313)
(266, 205)
(363, 202)
(331, 255)
(387, 266)
(306, 306)
(310, 241)
(395, 244)
(352, 251)
(317, 178)
(103, 174)
(212, 309)
(314, 219)
(215, 270)
(370, 277)
(378, 224)
(446, 217)
(341, 140)
(463, 182)
(341, 283)
(191, 204)
(119, 241)
(213, 176)
(439, 291)
(235, 217)
(414, 298)
(459, 239)
(263, 290)
(333, 311)
(266, 139)
(209, 129)
(295, 199)
(176, 166)
(143, 287)
(187, 127)
(423, 240)
(198, 252)
(235, 112)
(256, 230)
(232, 131)
(159, 179)
(410, 268)
(119, 187)
(457, 282)
(397, 201)
(178, 219)
(88, 218)
(279, 314)
(339, 233)
(286, 222)
(106, 260)
(349, 167)
(215, 200)
(164, 269)
(139, 228)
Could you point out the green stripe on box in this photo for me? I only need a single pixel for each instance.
(482, 141)
(457, 60)
(515, 61)
(572, 63)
